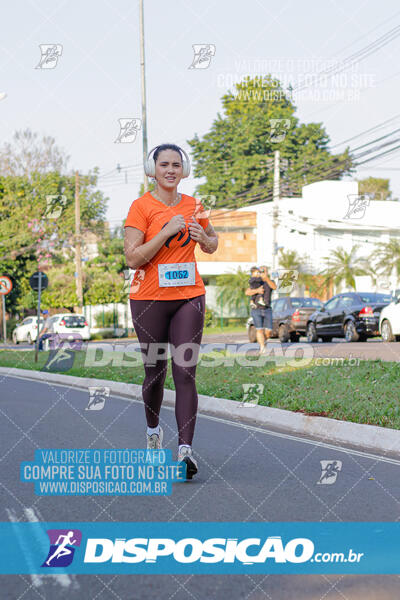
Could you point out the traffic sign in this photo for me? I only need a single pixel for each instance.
(5, 288)
(34, 280)
(5, 285)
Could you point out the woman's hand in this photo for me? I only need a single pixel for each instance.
(197, 233)
(206, 238)
(174, 225)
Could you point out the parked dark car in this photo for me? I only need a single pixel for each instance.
(289, 318)
(352, 315)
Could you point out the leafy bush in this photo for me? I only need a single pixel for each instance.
(108, 335)
(11, 325)
(96, 336)
(209, 318)
(108, 319)
(231, 292)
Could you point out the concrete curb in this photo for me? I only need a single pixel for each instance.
(367, 437)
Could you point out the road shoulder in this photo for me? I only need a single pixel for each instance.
(367, 437)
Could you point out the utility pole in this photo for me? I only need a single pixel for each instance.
(276, 192)
(143, 78)
(78, 253)
(38, 318)
(3, 305)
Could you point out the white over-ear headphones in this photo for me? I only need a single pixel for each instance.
(150, 164)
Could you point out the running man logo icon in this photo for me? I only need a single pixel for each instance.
(203, 54)
(357, 206)
(55, 205)
(128, 129)
(50, 54)
(204, 204)
(286, 280)
(61, 359)
(384, 283)
(63, 543)
(97, 397)
(330, 471)
(136, 280)
(252, 393)
(279, 129)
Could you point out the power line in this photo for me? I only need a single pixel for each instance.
(320, 165)
(357, 56)
(380, 168)
(368, 32)
(265, 195)
(376, 148)
(255, 200)
(376, 140)
(380, 155)
(130, 181)
(366, 131)
(117, 170)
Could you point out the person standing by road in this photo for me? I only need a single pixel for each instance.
(262, 311)
(167, 295)
(44, 332)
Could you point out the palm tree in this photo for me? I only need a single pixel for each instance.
(232, 287)
(290, 260)
(342, 267)
(370, 269)
(388, 257)
(293, 261)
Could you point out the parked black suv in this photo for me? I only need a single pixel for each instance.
(352, 315)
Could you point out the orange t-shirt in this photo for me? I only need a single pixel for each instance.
(150, 215)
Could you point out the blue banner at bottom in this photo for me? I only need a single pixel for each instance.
(201, 547)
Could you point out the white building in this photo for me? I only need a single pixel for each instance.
(328, 215)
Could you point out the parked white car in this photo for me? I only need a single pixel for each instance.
(69, 326)
(26, 331)
(389, 321)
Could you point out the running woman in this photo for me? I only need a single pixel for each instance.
(167, 296)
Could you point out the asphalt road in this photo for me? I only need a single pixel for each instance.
(245, 474)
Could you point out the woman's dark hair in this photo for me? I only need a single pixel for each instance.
(166, 147)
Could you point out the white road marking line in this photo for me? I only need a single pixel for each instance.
(37, 580)
(61, 578)
(72, 577)
(295, 438)
(292, 437)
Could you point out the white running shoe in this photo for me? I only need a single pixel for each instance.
(185, 455)
(154, 441)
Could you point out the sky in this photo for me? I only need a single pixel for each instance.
(96, 79)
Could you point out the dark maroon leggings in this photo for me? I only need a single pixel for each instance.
(176, 322)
